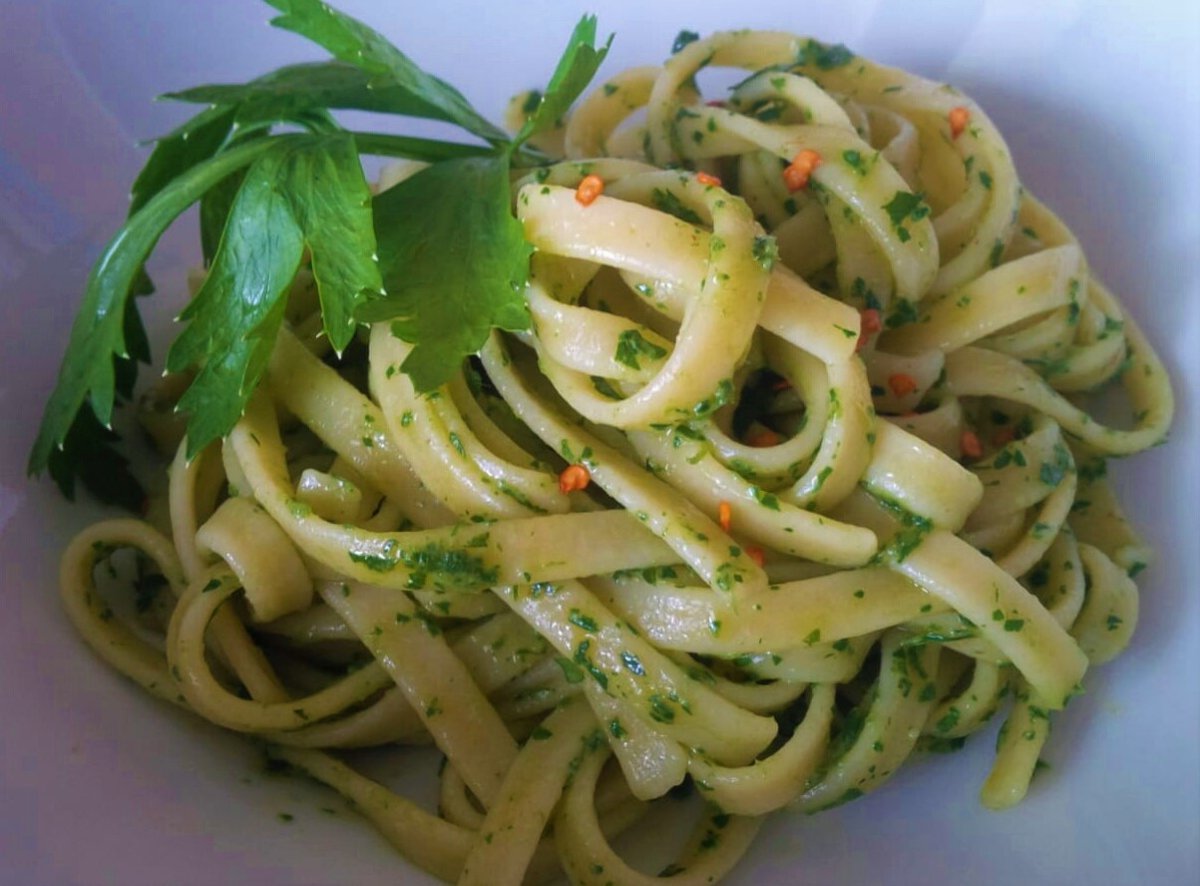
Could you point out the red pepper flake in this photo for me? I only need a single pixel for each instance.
(781, 385)
(574, 478)
(970, 445)
(724, 515)
(755, 553)
(706, 179)
(902, 383)
(959, 118)
(589, 189)
(800, 170)
(870, 324)
(764, 437)
(715, 103)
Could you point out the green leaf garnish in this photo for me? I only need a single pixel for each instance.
(89, 454)
(99, 333)
(308, 193)
(351, 41)
(575, 70)
(331, 202)
(192, 143)
(464, 239)
(295, 91)
(214, 213)
(451, 254)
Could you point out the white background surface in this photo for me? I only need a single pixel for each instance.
(1100, 103)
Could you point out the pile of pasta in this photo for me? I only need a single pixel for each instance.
(789, 480)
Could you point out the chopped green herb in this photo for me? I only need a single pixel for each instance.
(902, 313)
(633, 664)
(766, 499)
(765, 251)
(604, 388)
(584, 622)
(570, 670)
(661, 710)
(904, 206)
(631, 345)
(682, 39)
(667, 201)
(824, 56)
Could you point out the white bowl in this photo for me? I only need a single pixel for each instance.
(1098, 101)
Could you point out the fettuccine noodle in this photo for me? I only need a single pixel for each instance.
(818, 359)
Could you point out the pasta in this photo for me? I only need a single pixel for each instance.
(791, 479)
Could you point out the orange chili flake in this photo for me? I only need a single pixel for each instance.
(970, 445)
(798, 172)
(589, 189)
(902, 383)
(1003, 437)
(574, 478)
(959, 118)
(781, 385)
(706, 179)
(870, 324)
(764, 437)
(724, 515)
(755, 553)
